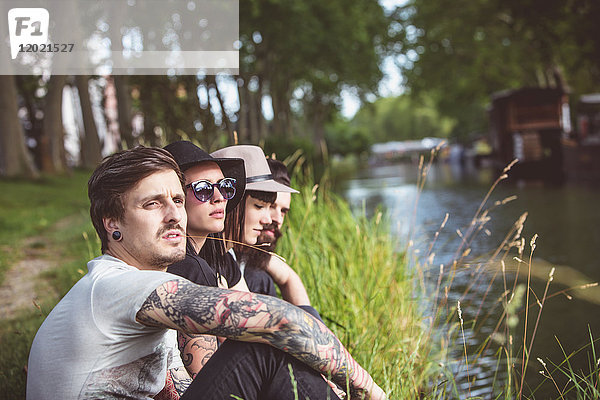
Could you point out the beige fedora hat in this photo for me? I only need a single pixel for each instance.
(258, 173)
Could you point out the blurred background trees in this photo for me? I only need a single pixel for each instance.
(299, 62)
(459, 52)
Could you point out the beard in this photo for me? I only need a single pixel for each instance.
(266, 241)
(254, 258)
(162, 260)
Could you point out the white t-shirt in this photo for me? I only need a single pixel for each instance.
(91, 346)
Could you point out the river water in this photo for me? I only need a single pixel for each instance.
(567, 222)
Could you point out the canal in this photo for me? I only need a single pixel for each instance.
(567, 222)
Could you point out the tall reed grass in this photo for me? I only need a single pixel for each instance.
(362, 287)
(459, 313)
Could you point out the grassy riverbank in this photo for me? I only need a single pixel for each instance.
(362, 287)
(356, 280)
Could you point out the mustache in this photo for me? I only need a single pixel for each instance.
(169, 227)
(266, 239)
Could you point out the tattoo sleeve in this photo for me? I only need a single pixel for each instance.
(196, 350)
(193, 309)
(181, 380)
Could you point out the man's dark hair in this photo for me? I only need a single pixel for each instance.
(258, 259)
(279, 171)
(116, 175)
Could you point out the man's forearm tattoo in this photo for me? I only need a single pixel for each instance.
(193, 309)
(181, 380)
(196, 350)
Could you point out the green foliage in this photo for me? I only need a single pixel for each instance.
(344, 137)
(460, 52)
(313, 51)
(361, 286)
(388, 119)
(403, 118)
(285, 148)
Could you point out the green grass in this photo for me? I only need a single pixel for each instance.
(55, 212)
(362, 288)
(31, 208)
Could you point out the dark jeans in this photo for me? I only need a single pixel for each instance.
(256, 371)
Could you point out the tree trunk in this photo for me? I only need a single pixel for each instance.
(53, 137)
(318, 119)
(244, 111)
(27, 94)
(213, 82)
(14, 157)
(262, 130)
(254, 114)
(124, 109)
(209, 128)
(90, 149)
(276, 104)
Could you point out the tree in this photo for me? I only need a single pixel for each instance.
(14, 157)
(460, 52)
(90, 148)
(123, 94)
(388, 119)
(52, 141)
(305, 53)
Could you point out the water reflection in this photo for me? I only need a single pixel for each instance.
(567, 221)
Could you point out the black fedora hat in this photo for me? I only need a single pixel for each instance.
(187, 154)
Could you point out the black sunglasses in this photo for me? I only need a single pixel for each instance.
(204, 190)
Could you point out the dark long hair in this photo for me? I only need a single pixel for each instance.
(213, 252)
(234, 221)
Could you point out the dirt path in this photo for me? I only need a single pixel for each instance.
(22, 284)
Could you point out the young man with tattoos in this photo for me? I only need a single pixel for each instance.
(110, 336)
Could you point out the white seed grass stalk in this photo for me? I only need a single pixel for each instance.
(464, 343)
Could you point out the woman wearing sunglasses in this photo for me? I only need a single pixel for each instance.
(206, 209)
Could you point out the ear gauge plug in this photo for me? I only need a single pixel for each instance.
(116, 235)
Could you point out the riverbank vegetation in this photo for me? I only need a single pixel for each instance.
(354, 275)
(401, 315)
(362, 286)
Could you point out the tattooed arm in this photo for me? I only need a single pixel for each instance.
(182, 305)
(196, 350)
(181, 380)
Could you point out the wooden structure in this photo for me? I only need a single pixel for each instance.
(582, 150)
(529, 124)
